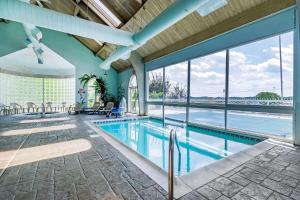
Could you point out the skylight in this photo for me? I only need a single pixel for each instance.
(111, 17)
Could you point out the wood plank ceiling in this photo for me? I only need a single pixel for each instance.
(135, 14)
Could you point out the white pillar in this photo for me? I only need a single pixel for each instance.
(296, 119)
(139, 68)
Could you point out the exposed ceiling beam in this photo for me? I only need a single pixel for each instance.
(82, 10)
(140, 2)
(248, 16)
(76, 10)
(100, 50)
(132, 18)
(18, 11)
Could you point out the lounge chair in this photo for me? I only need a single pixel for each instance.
(4, 109)
(95, 108)
(31, 105)
(120, 111)
(48, 105)
(63, 106)
(77, 108)
(15, 108)
(107, 109)
(117, 112)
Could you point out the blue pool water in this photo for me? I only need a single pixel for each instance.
(199, 147)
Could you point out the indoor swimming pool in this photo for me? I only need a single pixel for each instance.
(198, 147)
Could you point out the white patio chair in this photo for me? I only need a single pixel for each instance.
(48, 105)
(15, 108)
(77, 108)
(4, 109)
(63, 106)
(31, 105)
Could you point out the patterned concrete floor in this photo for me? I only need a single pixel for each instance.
(62, 158)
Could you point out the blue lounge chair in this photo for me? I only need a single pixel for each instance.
(117, 112)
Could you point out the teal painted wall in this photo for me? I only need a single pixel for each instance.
(81, 57)
(13, 36)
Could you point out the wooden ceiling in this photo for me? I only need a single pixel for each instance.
(135, 14)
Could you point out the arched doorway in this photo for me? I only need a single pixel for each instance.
(91, 93)
(133, 102)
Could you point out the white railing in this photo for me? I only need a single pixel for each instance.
(288, 101)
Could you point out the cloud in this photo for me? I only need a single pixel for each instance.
(253, 69)
(270, 65)
(207, 75)
(236, 58)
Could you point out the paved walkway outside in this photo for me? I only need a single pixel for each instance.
(62, 158)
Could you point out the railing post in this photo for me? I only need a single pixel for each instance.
(171, 166)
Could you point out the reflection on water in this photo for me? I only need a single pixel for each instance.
(198, 147)
(271, 124)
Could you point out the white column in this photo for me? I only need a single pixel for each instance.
(296, 119)
(139, 68)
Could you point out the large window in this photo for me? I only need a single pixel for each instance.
(208, 79)
(255, 72)
(267, 123)
(176, 82)
(260, 88)
(133, 95)
(178, 113)
(21, 89)
(210, 117)
(58, 90)
(287, 55)
(91, 93)
(155, 111)
(155, 85)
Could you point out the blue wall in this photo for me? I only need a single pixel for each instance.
(277, 23)
(13, 36)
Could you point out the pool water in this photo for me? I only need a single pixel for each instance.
(199, 147)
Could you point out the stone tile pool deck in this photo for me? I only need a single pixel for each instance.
(63, 158)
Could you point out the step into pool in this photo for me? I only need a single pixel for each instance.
(198, 146)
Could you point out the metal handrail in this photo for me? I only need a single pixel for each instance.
(179, 152)
(173, 137)
(171, 165)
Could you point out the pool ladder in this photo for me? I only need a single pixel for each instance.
(172, 140)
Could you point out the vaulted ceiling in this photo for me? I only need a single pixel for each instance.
(133, 15)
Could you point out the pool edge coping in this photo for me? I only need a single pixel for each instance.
(188, 182)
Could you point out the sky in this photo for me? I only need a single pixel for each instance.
(254, 68)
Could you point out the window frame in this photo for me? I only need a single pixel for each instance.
(226, 106)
